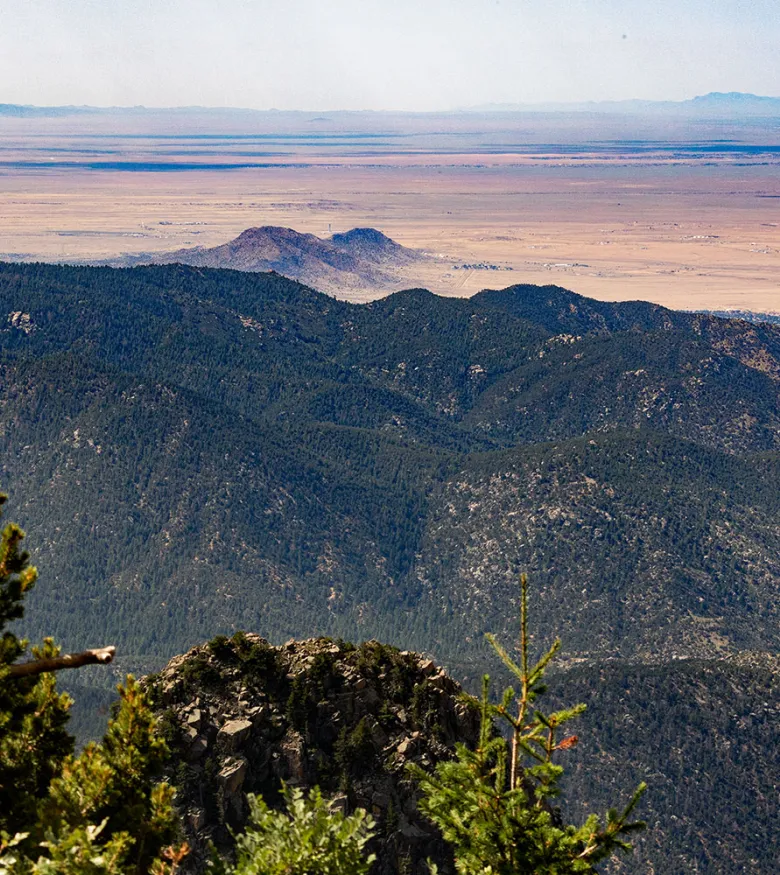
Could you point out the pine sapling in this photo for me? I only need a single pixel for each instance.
(494, 804)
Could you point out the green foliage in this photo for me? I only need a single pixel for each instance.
(307, 688)
(704, 732)
(199, 671)
(493, 804)
(425, 708)
(33, 742)
(354, 750)
(82, 852)
(360, 434)
(104, 811)
(258, 657)
(113, 783)
(309, 839)
(298, 703)
(101, 812)
(33, 739)
(387, 445)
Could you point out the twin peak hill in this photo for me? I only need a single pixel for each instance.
(360, 259)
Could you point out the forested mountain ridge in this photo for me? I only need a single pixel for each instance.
(240, 716)
(196, 451)
(365, 468)
(639, 546)
(317, 712)
(188, 326)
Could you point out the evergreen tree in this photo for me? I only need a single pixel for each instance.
(33, 738)
(494, 804)
(113, 784)
(101, 812)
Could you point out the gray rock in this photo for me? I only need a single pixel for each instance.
(233, 733)
(378, 735)
(257, 715)
(427, 666)
(405, 747)
(258, 745)
(197, 749)
(380, 800)
(231, 775)
(197, 818)
(293, 753)
(411, 831)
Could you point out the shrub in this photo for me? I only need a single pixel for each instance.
(308, 839)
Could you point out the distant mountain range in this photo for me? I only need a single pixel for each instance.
(713, 105)
(362, 258)
(716, 104)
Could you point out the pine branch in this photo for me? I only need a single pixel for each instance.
(101, 655)
(538, 670)
(504, 656)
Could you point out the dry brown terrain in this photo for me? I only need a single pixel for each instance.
(666, 223)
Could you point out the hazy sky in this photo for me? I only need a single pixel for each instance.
(382, 54)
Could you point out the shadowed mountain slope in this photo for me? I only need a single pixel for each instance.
(701, 733)
(374, 246)
(376, 469)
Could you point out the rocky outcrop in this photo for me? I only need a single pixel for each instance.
(242, 716)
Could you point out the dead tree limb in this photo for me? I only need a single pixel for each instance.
(102, 655)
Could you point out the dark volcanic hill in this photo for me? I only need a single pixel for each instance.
(363, 258)
(371, 245)
(197, 451)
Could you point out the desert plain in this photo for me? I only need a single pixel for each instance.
(683, 213)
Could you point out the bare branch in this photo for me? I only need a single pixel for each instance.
(102, 655)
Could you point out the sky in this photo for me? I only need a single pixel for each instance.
(382, 54)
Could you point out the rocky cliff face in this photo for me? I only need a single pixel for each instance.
(242, 716)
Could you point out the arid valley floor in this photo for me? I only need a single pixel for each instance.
(685, 214)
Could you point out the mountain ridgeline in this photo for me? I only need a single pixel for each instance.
(302, 463)
(199, 451)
